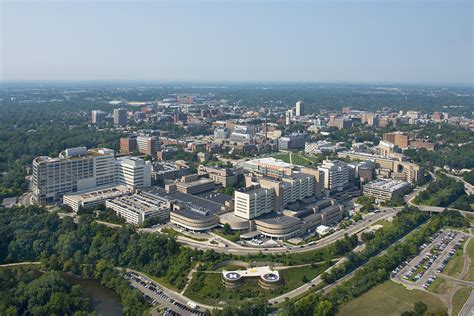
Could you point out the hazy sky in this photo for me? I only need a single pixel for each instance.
(353, 41)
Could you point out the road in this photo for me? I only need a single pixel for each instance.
(469, 188)
(244, 251)
(26, 199)
(426, 208)
(468, 308)
(305, 287)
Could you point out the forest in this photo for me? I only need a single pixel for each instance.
(26, 291)
(444, 192)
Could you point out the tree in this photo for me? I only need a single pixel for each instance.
(324, 308)
(226, 229)
(420, 308)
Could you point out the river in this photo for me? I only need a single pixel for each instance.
(104, 301)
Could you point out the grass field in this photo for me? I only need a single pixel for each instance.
(470, 253)
(390, 298)
(459, 298)
(440, 286)
(207, 288)
(298, 159)
(456, 263)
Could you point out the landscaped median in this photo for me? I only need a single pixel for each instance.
(173, 233)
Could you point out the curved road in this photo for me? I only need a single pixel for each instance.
(245, 251)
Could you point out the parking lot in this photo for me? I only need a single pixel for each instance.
(421, 270)
(156, 295)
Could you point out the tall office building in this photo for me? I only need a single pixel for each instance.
(128, 144)
(76, 169)
(79, 169)
(252, 202)
(120, 117)
(400, 139)
(134, 172)
(148, 145)
(98, 116)
(336, 175)
(299, 108)
(289, 189)
(293, 141)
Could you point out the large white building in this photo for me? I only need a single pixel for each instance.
(91, 198)
(135, 209)
(133, 171)
(76, 169)
(336, 175)
(252, 202)
(79, 169)
(299, 108)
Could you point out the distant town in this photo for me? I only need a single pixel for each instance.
(250, 190)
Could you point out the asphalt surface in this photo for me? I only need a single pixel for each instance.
(468, 308)
(243, 251)
(431, 271)
(164, 297)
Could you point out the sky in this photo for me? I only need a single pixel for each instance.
(322, 41)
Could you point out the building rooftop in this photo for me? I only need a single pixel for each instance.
(216, 197)
(269, 161)
(386, 185)
(139, 203)
(106, 192)
(274, 218)
(187, 200)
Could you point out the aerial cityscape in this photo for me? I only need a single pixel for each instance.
(244, 190)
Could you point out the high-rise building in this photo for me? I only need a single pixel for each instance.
(370, 119)
(397, 138)
(289, 189)
(128, 144)
(299, 108)
(98, 116)
(120, 117)
(76, 169)
(437, 116)
(134, 172)
(148, 145)
(339, 122)
(336, 175)
(293, 141)
(221, 132)
(252, 202)
(79, 169)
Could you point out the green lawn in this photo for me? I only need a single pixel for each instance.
(298, 159)
(470, 253)
(456, 264)
(390, 298)
(171, 232)
(232, 237)
(459, 298)
(440, 286)
(207, 288)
